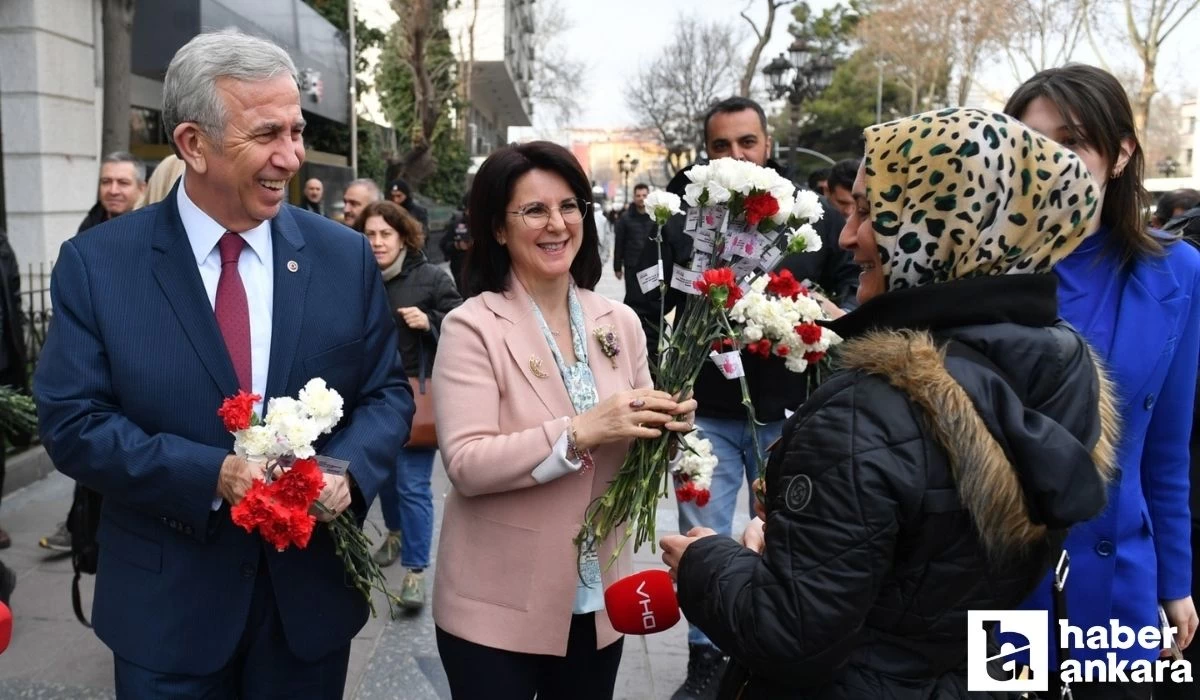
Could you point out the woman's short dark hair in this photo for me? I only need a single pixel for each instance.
(1097, 111)
(488, 263)
(412, 234)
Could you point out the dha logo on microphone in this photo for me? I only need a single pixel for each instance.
(1019, 633)
(648, 621)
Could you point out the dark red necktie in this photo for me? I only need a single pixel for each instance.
(232, 310)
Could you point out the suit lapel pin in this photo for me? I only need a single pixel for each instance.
(535, 366)
(293, 266)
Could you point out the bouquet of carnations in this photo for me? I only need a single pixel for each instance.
(280, 506)
(742, 219)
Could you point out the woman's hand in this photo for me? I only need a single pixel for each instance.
(759, 489)
(830, 308)
(673, 546)
(755, 536)
(414, 318)
(1182, 616)
(641, 413)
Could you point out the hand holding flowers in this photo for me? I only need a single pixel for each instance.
(277, 488)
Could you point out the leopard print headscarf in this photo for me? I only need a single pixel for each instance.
(967, 192)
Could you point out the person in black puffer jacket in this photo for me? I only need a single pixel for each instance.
(420, 295)
(939, 471)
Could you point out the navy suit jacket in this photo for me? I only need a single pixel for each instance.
(128, 385)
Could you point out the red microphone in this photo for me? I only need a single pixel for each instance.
(6, 625)
(643, 603)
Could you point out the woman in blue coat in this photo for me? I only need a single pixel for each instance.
(1135, 295)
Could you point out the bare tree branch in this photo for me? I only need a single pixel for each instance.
(694, 70)
(763, 38)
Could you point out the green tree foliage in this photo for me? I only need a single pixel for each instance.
(365, 37)
(394, 83)
(334, 137)
(832, 122)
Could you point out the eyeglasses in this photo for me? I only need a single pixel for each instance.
(537, 215)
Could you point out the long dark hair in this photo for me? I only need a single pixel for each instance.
(488, 263)
(1097, 110)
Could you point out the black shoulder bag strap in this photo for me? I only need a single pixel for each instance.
(957, 348)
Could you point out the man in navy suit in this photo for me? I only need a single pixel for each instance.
(159, 315)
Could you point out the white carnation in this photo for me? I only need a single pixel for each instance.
(256, 442)
(692, 192)
(322, 403)
(752, 333)
(804, 240)
(808, 207)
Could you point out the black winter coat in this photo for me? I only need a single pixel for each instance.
(633, 230)
(430, 289)
(910, 488)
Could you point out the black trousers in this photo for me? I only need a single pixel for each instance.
(477, 672)
(1187, 691)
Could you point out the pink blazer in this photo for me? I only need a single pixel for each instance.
(506, 564)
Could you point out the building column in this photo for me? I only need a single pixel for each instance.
(50, 114)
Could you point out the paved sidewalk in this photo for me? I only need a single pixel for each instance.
(52, 656)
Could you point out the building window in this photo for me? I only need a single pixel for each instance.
(1191, 125)
(1188, 159)
(145, 127)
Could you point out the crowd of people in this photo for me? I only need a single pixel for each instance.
(1015, 390)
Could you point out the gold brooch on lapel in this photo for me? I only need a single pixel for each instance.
(535, 366)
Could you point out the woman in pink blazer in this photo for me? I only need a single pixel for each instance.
(540, 385)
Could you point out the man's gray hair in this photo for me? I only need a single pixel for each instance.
(190, 88)
(372, 188)
(126, 157)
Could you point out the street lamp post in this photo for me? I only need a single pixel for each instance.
(627, 166)
(803, 74)
(1168, 166)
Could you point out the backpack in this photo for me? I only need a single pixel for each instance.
(83, 521)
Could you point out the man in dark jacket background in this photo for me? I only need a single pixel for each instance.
(634, 228)
(737, 128)
(122, 181)
(400, 193)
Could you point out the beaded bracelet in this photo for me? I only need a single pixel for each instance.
(582, 456)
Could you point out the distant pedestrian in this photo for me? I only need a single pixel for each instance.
(313, 199)
(122, 181)
(359, 193)
(400, 193)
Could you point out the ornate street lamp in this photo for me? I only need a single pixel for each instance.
(1168, 166)
(627, 166)
(805, 72)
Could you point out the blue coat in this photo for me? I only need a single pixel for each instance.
(128, 385)
(1137, 552)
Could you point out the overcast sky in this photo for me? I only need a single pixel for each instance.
(615, 37)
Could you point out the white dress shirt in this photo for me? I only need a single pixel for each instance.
(255, 267)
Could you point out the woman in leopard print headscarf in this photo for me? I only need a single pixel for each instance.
(965, 192)
(938, 473)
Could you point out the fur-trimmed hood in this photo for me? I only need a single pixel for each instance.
(1017, 458)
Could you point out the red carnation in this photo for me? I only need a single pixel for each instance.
(722, 345)
(784, 285)
(810, 333)
(759, 207)
(720, 285)
(685, 493)
(702, 497)
(762, 348)
(782, 350)
(813, 358)
(300, 486)
(237, 411)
